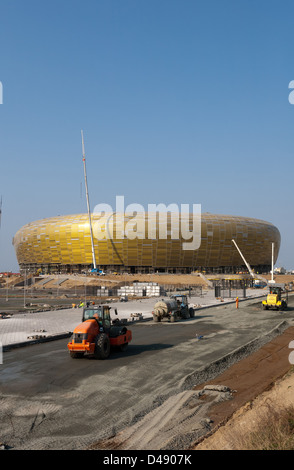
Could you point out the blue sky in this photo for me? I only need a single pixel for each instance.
(180, 101)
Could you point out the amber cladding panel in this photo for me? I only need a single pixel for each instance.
(66, 240)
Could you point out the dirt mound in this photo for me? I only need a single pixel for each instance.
(262, 374)
(117, 280)
(231, 436)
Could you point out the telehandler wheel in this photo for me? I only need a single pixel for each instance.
(102, 346)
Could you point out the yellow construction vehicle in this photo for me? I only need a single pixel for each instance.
(277, 298)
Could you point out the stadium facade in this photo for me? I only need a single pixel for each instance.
(63, 245)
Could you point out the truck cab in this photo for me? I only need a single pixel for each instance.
(100, 314)
(181, 300)
(183, 306)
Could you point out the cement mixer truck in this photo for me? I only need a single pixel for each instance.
(173, 309)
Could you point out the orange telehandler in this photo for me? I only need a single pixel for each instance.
(96, 334)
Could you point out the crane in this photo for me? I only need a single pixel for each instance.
(247, 264)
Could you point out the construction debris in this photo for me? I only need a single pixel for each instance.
(136, 316)
(4, 315)
(4, 446)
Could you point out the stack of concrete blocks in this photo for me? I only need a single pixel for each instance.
(141, 289)
(138, 289)
(102, 291)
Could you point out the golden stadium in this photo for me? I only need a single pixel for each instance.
(63, 245)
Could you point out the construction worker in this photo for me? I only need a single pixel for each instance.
(237, 302)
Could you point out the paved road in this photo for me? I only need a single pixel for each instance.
(50, 401)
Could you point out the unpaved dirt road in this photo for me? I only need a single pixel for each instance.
(142, 399)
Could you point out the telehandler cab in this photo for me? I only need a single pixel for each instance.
(96, 334)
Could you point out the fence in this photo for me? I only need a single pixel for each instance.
(230, 291)
(136, 290)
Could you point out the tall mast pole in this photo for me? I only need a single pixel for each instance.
(88, 203)
(273, 248)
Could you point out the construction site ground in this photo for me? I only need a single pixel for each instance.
(75, 280)
(19, 328)
(230, 406)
